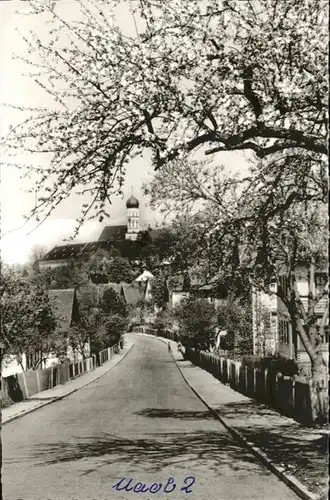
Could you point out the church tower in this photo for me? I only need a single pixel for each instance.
(133, 218)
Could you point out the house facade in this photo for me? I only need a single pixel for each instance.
(289, 342)
(264, 321)
(272, 328)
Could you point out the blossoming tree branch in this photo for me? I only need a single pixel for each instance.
(226, 75)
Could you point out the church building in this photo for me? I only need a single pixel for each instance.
(129, 231)
(127, 238)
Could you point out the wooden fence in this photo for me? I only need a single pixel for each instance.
(24, 385)
(289, 395)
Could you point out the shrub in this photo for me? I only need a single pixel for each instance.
(195, 318)
(236, 317)
(275, 364)
(251, 361)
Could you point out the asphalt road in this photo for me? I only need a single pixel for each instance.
(139, 421)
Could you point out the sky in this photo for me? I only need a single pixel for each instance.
(18, 239)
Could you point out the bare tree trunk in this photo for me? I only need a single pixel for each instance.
(319, 393)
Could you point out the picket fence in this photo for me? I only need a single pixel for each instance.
(24, 385)
(289, 395)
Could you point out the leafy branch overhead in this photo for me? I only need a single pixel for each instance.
(221, 76)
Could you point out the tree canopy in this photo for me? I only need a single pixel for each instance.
(195, 318)
(224, 76)
(27, 321)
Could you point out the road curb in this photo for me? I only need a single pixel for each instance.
(46, 403)
(293, 483)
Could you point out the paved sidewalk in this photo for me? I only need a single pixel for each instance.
(60, 391)
(289, 449)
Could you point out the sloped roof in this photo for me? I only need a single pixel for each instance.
(62, 302)
(176, 284)
(146, 275)
(74, 250)
(133, 293)
(155, 234)
(64, 252)
(113, 233)
(102, 287)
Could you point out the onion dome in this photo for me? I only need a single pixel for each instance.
(132, 202)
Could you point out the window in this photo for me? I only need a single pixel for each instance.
(320, 281)
(284, 284)
(283, 328)
(325, 337)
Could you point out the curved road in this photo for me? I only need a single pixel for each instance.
(139, 421)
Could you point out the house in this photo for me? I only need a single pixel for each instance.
(272, 328)
(65, 308)
(66, 312)
(144, 277)
(214, 292)
(264, 321)
(131, 293)
(289, 342)
(177, 291)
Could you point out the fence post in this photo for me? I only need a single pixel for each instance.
(25, 384)
(254, 382)
(50, 380)
(246, 379)
(109, 353)
(38, 380)
(100, 358)
(276, 390)
(237, 364)
(293, 387)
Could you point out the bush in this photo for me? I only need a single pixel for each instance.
(251, 361)
(275, 364)
(195, 318)
(236, 317)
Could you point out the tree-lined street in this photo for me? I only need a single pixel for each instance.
(139, 421)
(227, 102)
